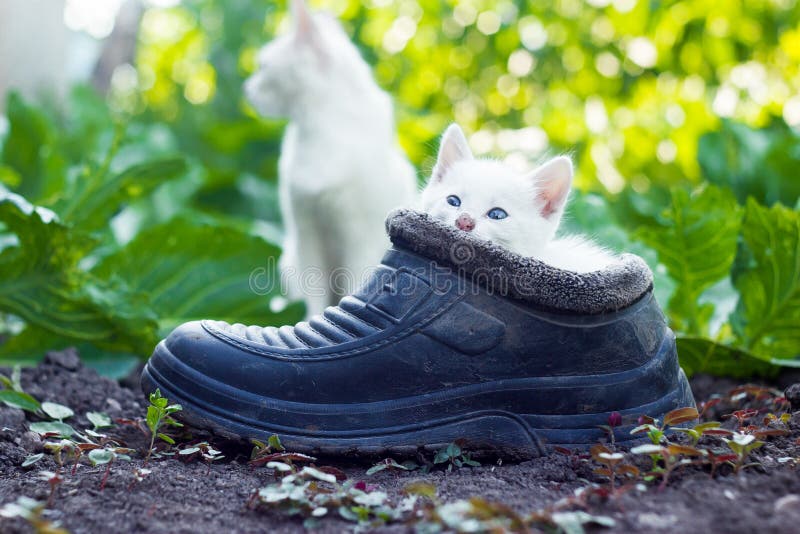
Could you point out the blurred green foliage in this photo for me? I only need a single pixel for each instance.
(682, 117)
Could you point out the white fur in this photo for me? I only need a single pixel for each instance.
(534, 203)
(341, 170)
(34, 48)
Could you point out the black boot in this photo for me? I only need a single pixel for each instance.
(451, 338)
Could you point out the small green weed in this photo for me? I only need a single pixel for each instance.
(312, 493)
(613, 466)
(273, 451)
(108, 456)
(454, 456)
(392, 465)
(159, 416)
(53, 480)
(742, 445)
(202, 450)
(12, 395)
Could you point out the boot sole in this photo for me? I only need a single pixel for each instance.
(493, 418)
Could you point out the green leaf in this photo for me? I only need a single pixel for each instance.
(311, 472)
(680, 415)
(757, 163)
(9, 177)
(153, 418)
(156, 399)
(453, 450)
(700, 355)
(767, 275)
(100, 456)
(647, 448)
(377, 468)
(696, 242)
(57, 411)
(572, 522)
(274, 443)
(202, 271)
(41, 281)
(99, 197)
(387, 464)
(52, 428)
(32, 459)
(28, 346)
(99, 419)
(113, 365)
(26, 149)
(17, 399)
(16, 378)
(166, 438)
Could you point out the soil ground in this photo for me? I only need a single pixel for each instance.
(193, 497)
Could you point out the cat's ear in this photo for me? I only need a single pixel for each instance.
(301, 15)
(305, 29)
(452, 149)
(552, 182)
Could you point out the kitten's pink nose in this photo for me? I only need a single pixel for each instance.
(465, 222)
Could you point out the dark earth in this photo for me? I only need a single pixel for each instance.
(195, 497)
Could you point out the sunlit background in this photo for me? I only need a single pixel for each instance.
(628, 86)
(653, 100)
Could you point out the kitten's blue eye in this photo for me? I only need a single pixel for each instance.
(454, 200)
(497, 213)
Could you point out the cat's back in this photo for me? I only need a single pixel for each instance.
(340, 148)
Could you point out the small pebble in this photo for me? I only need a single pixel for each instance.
(655, 521)
(31, 442)
(788, 502)
(11, 418)
(67, 359)
(792, 394)
(113, 405)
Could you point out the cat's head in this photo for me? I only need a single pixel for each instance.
(296, 62)
(492, 201)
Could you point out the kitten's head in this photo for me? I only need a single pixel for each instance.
(297, 61)
(493, 202)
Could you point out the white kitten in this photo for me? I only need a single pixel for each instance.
(495, 203)
(341, 170)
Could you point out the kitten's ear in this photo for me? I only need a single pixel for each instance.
(453, 148)
(553, 181)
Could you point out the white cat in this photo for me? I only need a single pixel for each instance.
(495, 203)
(341, 170)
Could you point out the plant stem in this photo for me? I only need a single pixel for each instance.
(105, 476)
(150, 450)
(52, 495)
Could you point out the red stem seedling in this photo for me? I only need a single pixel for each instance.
(614, 466)
(742, 445)
(53, 479)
